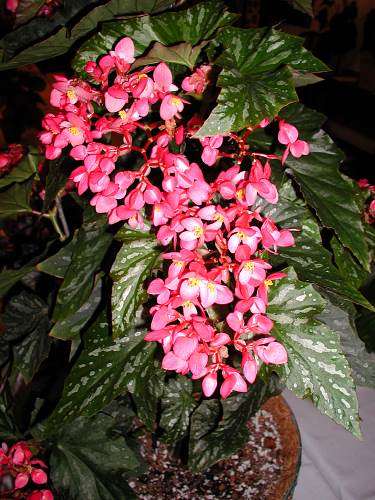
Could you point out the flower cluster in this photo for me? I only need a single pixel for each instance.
(214, 298)
(10, 157)
(18, 469)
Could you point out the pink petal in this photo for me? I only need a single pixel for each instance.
(39, 476)
(197, 362)
(209, 384)
(185, 346)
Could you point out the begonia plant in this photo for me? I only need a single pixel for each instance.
(204, 249)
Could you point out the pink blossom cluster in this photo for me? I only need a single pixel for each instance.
(10, 157)
(18, 468)
(213, 300)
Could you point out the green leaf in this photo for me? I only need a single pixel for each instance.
(307, 121)
(22, 171)
(10, 277)
(61, 40)
(26, 318)
(92, 244)
(15, 199)
(260, 50)
(177, 406)
(133, 265)
(316, 366)
(255, 81)
(245, 100)
(183, 53)
(87, 461)
(313, 263)
(324, 188)
(58, 173)
(190, 26)
(104, 370)
(58, 264)
(26, 10)
(146, 395)
(213, 438)
(303, 79)
(70, 327)
(7, 427)
(361, 361)
(348, 267)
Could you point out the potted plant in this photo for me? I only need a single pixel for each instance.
(187, 280)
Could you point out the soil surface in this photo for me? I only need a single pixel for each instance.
(264, 469)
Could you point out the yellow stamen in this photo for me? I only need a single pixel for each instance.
(142, 75)
(178, 263)
(74, 130)
(193, 281)
(240, 194)
(268, 283)
(187, 303)
(211, 287)
(198, 231)
(249, 266)
(176, 101)
(122, 114)
(71, 95)
(241, 235)
(219, 217)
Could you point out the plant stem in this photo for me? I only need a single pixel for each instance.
(52, 217)
(60, 211)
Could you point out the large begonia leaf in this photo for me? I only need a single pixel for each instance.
(136, 259)
(255, 81)
(362, 362)
(88, 460)
(58, 264)
(69, 328)
(216, 433)
(190, 26)
(317, 367)
(15, 200)
(104, 370)
(330, 194)
(61, 40)
(92, 244)
(309, 258)
(26, 325)
(177, 405)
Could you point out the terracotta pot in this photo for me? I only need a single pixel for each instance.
(275, 439)
(290, 447)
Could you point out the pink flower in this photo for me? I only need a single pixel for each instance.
(209, 384)
(163, 80)
(273, 353)
(197, 82)
(287, 133)
(115, 98)
(211, 149)
(40, 495)
(193, 236)
(170, 106)
(162, 289)
(233, 382)
(249, 237)
(272, 237)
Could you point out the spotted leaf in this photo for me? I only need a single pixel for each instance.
(317, 367)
